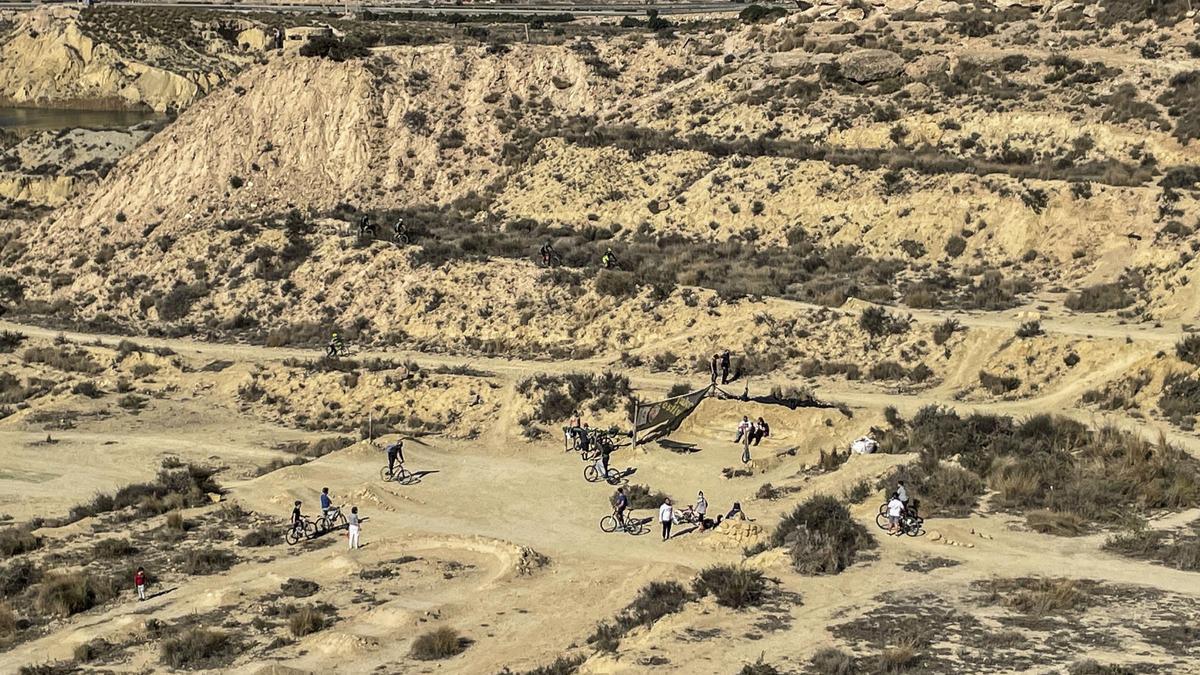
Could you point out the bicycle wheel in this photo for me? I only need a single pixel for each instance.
(881, 520)
(340, 520)
(635, 526)
(292, 536)
(914, 527)
(405, 477)
(608, 524)
(590, 474)
(385, 475)
(310, 529)
(883, 509)
(402, 240)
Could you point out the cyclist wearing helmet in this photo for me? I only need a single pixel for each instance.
(547, 252)
(336, 345)
(365, 228)
(609, 259)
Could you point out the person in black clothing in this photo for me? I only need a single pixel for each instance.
(605, 450)
(365, 228)
(760, 431)
(621, 506)
(297, 519)
(725, 367)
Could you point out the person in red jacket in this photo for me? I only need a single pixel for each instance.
(139, 580)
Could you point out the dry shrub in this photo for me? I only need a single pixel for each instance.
(260, 536)
(64, 594)
(733, 586)
(198, 647)
(654, 601)
(439, 643)
(305, 620)
(8, 622)
(1061, 523)
(16, 540)
(822, 536)
(832, 661)
(113, 548)
(206, 561)
(899, 658)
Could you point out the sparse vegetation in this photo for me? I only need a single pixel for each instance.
(437, 644)
(64, 594)
(732, 585)
(198, 647)
(822, 537)
(654, 601)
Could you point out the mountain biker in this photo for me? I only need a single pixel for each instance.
(605, 450)
(336, 345)
(547, 252)
(326, 502)
(609, 259)
(398, 228)
(620, 506)
(395, 451)
(585, 437)
(894, 508)
(297, 519)
(365, 227)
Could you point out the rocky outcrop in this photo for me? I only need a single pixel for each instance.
(870, 65)
(48, 61)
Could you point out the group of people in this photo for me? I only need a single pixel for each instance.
(899, 506)
(354, 524)
(550, 257)
(750, 433)
(668, 515)
(720, 364)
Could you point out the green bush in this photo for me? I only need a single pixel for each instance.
(878, 322)
(335, 49)
(206, 561)
(15, 541)
(654, 601)
(642, 497)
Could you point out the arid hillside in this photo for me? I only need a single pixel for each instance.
(967, 230)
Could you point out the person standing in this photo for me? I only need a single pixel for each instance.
(894, 508)
(139, 580)
(326, 503)
(902, 493)
(701, 509)
(746, 448)
(725, 367)
(714, 365)
(665, 514)
(354, 528)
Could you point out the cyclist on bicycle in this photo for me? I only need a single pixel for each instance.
(365, 228)
(398, 229)
(395, 452)
(297, 519)
(326, 502)
(620, 506)
(547, 252)
(336, 346)
(609, 259)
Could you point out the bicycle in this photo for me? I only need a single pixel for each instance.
(634, 526)
(910, 524)
(400, 235)
(551, 259)
(337, 351)
(332, 519)
(591, 473)
(400, 475)
(599, 442)
(307, 529)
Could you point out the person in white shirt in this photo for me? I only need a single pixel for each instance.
(902, 493)
(701, 509)
(743, 429)
(354, 528)
(664, 516)
(894, 508)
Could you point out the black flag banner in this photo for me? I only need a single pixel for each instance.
(668, 413)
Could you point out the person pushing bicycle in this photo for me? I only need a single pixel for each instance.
(297, 519)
